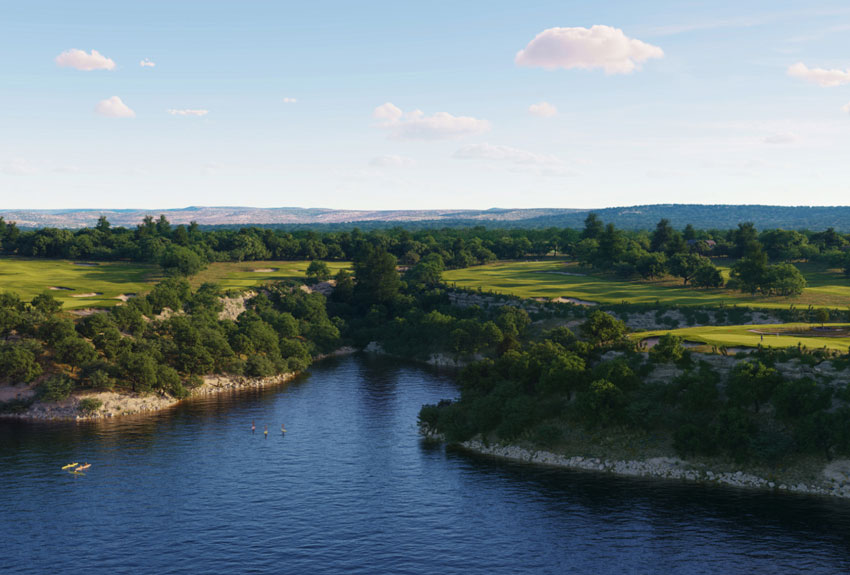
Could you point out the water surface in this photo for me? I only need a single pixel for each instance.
(351, 488)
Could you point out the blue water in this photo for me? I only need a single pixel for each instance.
(352, 489)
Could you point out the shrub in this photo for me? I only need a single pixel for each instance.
(89, 405)
(55, 388)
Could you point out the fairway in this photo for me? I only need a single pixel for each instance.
(243, 275)
(751, 336)
(81, 284)
(560, 278)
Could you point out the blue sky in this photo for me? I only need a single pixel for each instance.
(389, 105)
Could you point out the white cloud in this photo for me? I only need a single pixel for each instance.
(188, 112)
(80, 60)
(780, 139)
(389, 112)
(417, 126)
(147, 63)
(391, 161)
(290, 100)
(846, 108)
(17, 167)
(503, 154)
(515, 159)
(820, 76)
(587, 48)
(114, 108)
(543, 110)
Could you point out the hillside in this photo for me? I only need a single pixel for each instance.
(631, 217)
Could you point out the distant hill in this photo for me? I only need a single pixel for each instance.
(633, 217)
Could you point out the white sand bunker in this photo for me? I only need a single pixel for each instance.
(60, 288)
(575, 301)
(265, 270)
(87, 264)
(89, 294)
(125, 296)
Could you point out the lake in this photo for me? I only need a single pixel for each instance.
(352, 488)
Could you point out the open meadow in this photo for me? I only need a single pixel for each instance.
(561, 278)
(812, 336)
(85, 284)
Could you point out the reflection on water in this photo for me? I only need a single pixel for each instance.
(352, 488)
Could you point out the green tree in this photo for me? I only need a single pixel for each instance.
(668, 349)
(378, 281)
(318, 271)
(601, 328)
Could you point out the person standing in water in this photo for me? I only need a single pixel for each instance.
(282, 428)
(253, 427)
(266, 431)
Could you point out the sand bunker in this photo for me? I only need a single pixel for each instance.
(575, 301)
(60, 288)
(87, 264)
(90, 294)
(125, 296)
(264, 270)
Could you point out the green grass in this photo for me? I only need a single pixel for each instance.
(827, 288)
(30, 277)
(745, 336)
(232, 275)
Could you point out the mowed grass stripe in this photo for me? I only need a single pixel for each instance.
(744, 336)
(828, 288)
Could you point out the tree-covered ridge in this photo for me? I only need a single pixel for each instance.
(688, 253)
(559, 384)
(165, 341)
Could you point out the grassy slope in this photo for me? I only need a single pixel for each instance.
(30, 277)
(742, 336)
(827, 288)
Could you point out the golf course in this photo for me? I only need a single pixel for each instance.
(553, 278)
(87, 284)
(812, 336)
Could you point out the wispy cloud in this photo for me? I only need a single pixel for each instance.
(820, 76)
(114, 107)
(418, 126)
(587, 49)
(188, 112)
(846, 108)
(17, 167)
(290, 100)
(515, 158)
(543, 110)
(780, 139)
(391, 161)
(81, 60)
(147, 63)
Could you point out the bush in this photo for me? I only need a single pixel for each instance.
(89, 405)
(55, 388)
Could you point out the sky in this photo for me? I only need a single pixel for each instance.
(402, 105)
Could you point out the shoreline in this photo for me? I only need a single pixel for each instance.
(835, 480)
(115, 404)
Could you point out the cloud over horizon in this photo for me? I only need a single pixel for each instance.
(114, 107)
(600, 46)
(416, 125)
(81, 60)
(820, 76)
(147, 63)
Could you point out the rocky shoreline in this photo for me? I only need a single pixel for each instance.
(834, 480)
(114, 404)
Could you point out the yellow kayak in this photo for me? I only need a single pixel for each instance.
(70, 465)
(82, 467)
